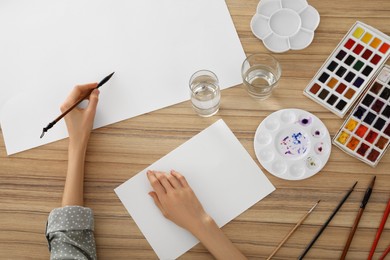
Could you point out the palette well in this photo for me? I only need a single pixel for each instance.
(366, 132)
(292, 144)
(349, 69)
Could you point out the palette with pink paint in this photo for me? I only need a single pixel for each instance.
(292, 144)
(365, 134)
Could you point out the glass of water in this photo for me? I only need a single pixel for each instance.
(260, 74)
(205, 93)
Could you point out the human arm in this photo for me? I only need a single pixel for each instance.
(69, 230)
(79, 123)
(178, 203)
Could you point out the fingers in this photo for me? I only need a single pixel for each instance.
(163, 178)
(81, 90)
(156, 185)
(174, 181)
(93, 101)
(163, 183)
(76, 93)
(180, 178)
(156, 201)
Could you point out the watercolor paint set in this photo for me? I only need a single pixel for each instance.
(350, 68)
(365, 134)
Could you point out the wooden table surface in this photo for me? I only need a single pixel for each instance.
(31, 182)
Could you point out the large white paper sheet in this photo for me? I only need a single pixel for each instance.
(220, 171)
(153, 46)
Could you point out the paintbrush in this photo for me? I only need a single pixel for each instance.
(358, 216)
(51, 124)
(327, 222)
(292, 230)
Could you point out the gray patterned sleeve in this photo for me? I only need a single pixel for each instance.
(69, 233)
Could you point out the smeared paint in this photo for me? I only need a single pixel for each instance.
(294, 144)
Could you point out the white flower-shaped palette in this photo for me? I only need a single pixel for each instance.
(292, 144)
(285, 24)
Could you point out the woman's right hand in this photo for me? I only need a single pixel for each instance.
(178, 203)
(176, 200)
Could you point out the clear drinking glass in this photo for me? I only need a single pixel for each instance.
(260, 74)
(205, 93)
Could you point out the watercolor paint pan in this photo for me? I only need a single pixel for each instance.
(349, 69)
(365, 134)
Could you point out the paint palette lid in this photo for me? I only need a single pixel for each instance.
(292, 144)
(285, 24)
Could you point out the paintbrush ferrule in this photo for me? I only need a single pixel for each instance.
(314, 206)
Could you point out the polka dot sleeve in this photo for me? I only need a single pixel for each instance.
(69, 233)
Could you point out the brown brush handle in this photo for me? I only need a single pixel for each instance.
(352, 233)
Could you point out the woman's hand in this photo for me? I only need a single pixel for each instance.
(178, 203)
(79, 121)
(176, 200)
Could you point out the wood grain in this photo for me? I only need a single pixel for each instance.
(31, 182)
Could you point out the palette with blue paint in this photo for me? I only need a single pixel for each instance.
(292, 144)
(345, 75)
(365, 134)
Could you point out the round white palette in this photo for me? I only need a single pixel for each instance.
(285, 24)
(292, 144)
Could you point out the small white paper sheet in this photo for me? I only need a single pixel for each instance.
(154, 46)
(222, 174)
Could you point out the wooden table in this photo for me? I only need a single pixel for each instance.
(31, 182)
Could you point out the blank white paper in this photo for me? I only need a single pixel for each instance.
(220, 171)
(154, 46)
